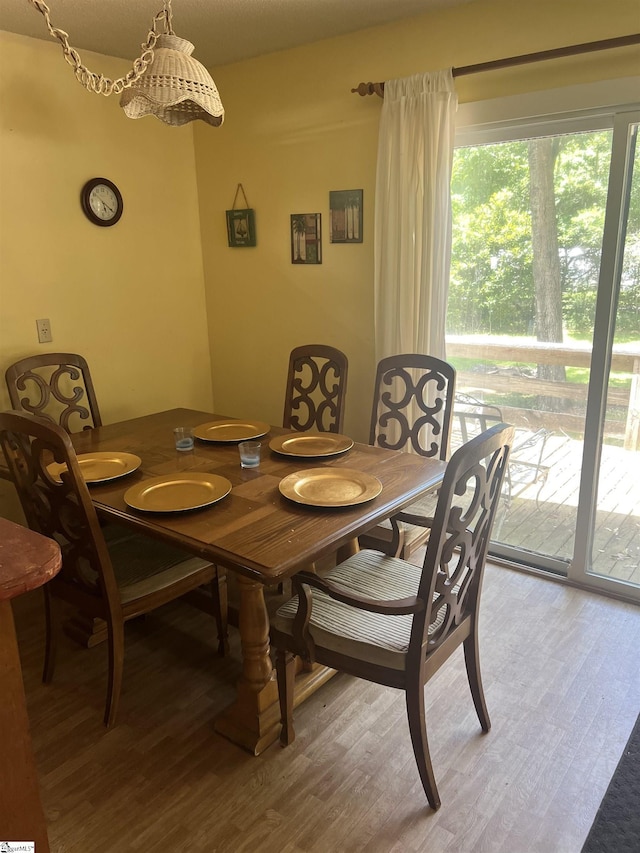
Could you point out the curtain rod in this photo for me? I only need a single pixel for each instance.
(556, 53)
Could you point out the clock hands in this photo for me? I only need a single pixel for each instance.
(106, 209)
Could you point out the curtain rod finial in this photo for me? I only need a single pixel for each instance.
(369, 89)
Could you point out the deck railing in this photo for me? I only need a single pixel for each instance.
(502, 381)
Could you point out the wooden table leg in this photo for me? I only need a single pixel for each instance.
(253, 719)
(348, 550)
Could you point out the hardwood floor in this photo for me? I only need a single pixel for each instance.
(563, 689)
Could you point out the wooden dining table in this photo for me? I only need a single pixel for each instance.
(256, 532)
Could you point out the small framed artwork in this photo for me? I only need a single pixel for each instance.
(345, 208)
(241, 227)
(306, 238)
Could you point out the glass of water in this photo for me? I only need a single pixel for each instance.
(249, 454)
(183, 438)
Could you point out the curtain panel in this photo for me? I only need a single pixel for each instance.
(413, 214)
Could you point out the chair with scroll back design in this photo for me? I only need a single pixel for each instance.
(388, 621)
(58, 387)
(316, 389)
(115, 580)
(412, 410)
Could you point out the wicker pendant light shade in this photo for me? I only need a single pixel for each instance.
(165, 81)
(175, 87)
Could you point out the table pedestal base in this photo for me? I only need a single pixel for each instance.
(253, 719)
(86, 630)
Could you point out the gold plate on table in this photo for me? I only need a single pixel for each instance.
(330, 487)
(100, 467)
(311, 444)
(177, 492)
(230, 431)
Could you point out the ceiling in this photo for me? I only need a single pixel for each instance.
(223, 31)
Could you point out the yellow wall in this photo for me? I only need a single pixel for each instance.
(129, 298)
(135, 300)
(293, 132)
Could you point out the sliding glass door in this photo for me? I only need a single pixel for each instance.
(608, 532)
(543, 327)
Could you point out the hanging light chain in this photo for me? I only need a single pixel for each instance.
(98, 83)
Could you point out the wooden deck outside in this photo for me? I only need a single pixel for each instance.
(541, 517)
(547, 525)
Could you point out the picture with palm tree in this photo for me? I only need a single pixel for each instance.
(306, 238)
(345, 207)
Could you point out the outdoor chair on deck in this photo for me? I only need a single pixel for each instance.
(316, 389)
(412, 408)
(380, 618)
(58, 387)
(115, 580)
(526, 468)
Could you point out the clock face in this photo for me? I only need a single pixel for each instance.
(101, 201)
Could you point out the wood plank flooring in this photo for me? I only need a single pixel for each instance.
(548, 525)
(563, 689)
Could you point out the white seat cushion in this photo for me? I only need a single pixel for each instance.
(367, 636)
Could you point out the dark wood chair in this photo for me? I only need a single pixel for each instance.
(412, 411)
(385, 620)
(110, 574)
(316, 389)
(57, 386)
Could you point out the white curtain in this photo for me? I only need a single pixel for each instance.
(413, 214)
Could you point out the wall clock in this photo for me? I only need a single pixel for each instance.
(101, 201)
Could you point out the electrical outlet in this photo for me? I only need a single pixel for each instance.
(44, 331)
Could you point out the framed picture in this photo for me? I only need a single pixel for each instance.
(345, 207)
(306, 238)
(241, 227)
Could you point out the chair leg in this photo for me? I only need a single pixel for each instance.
(221, 609)
(51, 637)
(115, 642)
(286, 672)
(472, 661)
(543, 480)
(418, 729)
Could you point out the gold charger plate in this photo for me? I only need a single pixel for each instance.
(230, 431)
(331, 487)
(100, 467)
(311, 444)
(177, 492)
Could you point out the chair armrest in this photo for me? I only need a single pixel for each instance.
(414, 520)
(391, 607)
(531, 439)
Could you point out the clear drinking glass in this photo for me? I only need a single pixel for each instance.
(183, 438)
(249, 454)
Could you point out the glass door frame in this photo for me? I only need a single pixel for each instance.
(613, 244)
